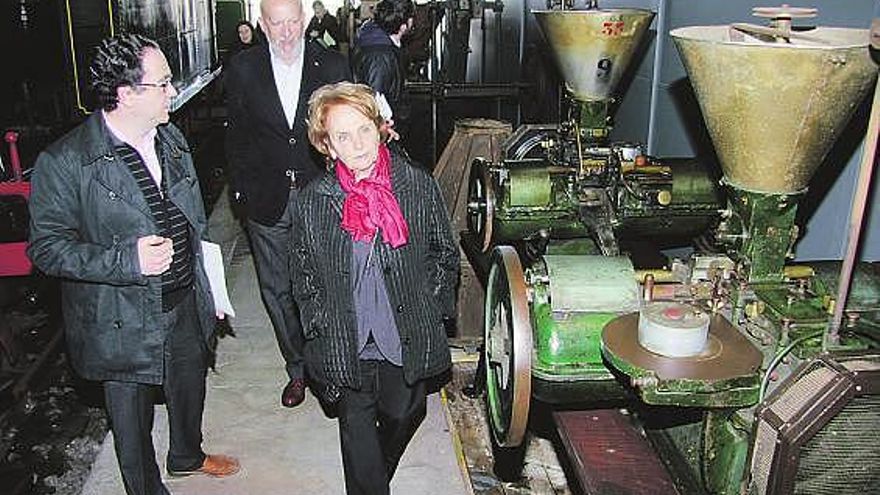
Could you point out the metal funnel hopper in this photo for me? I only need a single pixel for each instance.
(593, 48)
(774, 109)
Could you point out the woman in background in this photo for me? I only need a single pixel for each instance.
(374, 270)
(246, 38)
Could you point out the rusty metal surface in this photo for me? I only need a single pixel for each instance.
(774, 110)
(609, 455)
(541, 472)
(473, 138)
(593, 48)
(728, 354)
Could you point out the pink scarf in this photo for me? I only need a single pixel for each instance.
(370, 203)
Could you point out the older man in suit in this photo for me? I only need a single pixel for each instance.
(268, 88)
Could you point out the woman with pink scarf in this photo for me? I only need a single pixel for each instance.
(374, 271)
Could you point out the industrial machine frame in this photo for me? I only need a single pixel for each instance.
(790, 358)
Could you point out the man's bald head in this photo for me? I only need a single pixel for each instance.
(264, 4)
(282, 20)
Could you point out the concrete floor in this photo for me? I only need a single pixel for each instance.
(282, 451)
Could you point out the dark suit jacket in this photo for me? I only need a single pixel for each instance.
(261, 149)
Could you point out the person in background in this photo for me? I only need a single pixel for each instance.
(323, 26)
(117, 215)
(267, 91)
(375, 269)
(346, 17)
(378, 61)
(246, 39)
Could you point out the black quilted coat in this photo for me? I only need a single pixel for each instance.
(420, 278)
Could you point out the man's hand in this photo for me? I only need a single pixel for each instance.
(154, 254)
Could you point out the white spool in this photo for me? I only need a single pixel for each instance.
(673, 329)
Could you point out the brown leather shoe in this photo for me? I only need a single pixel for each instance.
(294, 393)
(216, 465)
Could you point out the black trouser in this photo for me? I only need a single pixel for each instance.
(271, 250)
(130, 407)
(375, 425)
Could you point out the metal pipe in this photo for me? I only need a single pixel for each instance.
(483, 50)
(432, 75)
(659, 50)
(857, 214)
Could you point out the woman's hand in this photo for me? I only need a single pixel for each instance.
(388, 127)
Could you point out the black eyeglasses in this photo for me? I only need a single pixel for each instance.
(164, 85)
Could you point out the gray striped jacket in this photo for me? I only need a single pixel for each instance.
(420, 277)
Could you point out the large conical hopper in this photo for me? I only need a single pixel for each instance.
(593, 47)
(773, 109)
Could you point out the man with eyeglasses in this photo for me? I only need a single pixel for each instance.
(270, 159)
(117, 214)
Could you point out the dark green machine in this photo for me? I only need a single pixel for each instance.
(569, 181)
(775, 406)
(559, 208)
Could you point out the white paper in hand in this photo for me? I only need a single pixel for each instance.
(213, 261)
(384, 107)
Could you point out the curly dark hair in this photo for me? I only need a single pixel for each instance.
(390, 14)
(117, 63)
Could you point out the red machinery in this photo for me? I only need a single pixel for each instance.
(14, 193)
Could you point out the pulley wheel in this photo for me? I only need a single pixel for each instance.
(507, 348)
(481, 203)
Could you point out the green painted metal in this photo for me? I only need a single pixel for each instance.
(783, 302)
(864, 294)
(531, 200)
(676, 434)
(569, 313)
(761, 231)
(693, 183)
(593, 284)
(736, 392)
(725, 441)
(568, 347)
(529, 186)
(514, 223)
(573, 246)
(593, 118)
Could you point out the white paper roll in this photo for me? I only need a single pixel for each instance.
(673, 329)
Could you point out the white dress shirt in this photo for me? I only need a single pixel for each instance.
(288, 79)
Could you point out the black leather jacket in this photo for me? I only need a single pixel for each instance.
(87, 213)
(378, 63)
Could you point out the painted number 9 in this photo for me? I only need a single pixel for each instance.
(604, 67)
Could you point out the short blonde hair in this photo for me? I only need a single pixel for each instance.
(357, 96)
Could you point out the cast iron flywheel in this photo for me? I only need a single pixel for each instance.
(507, 348)
(481, 203)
